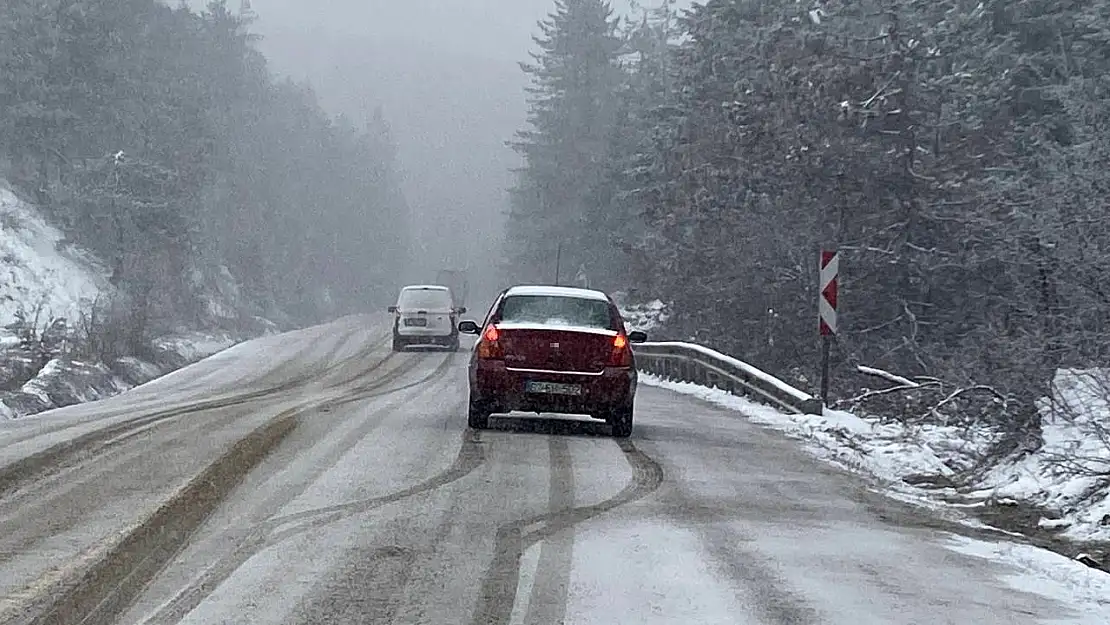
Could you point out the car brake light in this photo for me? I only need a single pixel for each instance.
(621, 355)
(489, 347)
(491, 334)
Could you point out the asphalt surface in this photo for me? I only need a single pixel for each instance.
(379, 506)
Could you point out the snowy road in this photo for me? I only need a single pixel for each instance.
(380, 507)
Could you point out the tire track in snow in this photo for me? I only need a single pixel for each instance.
(276, 530)
(171, 543)
(71, 453)
(498, 592)
(365, 589)
(29, 521)
(547, 602)
(755, 580)
(52, 482)
(14, 439)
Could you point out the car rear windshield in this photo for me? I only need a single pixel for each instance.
(416, 299)
(556, 310)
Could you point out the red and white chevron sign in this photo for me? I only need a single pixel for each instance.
(826, 303)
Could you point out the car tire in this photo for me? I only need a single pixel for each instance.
(478, 413)
(621, 421)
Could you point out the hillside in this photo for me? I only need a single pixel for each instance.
(52, 348)
(40, 269)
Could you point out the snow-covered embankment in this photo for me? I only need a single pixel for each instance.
(47, 286)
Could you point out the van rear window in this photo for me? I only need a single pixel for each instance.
(413, 299)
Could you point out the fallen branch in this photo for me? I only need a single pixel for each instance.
(886, 391)
(935, 410)
(896, 379)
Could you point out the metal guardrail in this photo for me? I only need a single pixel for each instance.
(688, 362)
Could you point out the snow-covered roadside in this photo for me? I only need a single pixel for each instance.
(40, 269)
(1070, 473)
(890, 452)
(46, 285)
(1062, 476)
(1046, 573)
(894, 454)
(65, 382)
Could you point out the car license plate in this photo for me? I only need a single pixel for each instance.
(553, 388)
(416, 321)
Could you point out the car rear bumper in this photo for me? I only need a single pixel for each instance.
(503, 389)
(416, 332)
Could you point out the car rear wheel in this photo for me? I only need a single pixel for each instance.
(478, 414)
(621, 421)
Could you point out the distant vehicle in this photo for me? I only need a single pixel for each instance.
(454, 279)
(425, 314)
(553, 349)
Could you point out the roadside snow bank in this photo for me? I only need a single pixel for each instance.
(900, 456)
(1070, 473)
(1043, 572)
(177, 350)
(64, 382)
(37, 266)
(890, 451)
(46, 279)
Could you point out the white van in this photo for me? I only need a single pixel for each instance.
(425, 314)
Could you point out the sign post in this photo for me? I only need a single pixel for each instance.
(826, 309)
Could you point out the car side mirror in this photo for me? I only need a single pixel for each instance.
(469, 327)
(637, 336)
(392, 309)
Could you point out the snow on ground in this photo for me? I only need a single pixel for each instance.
(1071, 472)
(44, 278)
(194, 346)
(64, 382)
(1046, 573)
(37, 267)
(1069, 475)
(892, 451)
(645, 317)
(889, 451)
(674, 577)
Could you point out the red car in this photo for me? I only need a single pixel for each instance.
(553, 349)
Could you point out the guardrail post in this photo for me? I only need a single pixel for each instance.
(711, 378)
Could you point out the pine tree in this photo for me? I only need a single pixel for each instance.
(634, 167)
(558, 205)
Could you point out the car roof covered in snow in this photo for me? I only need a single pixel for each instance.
(425, 287)
(557, 291)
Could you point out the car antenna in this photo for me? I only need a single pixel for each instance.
(558, 259)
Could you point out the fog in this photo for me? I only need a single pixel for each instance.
(446, 75)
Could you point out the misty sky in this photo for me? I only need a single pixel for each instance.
(445, 73)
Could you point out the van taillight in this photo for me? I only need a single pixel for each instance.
(621, 355)
(489, 347)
